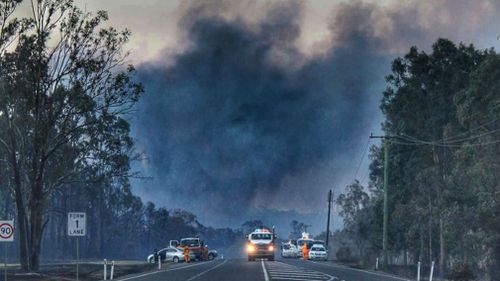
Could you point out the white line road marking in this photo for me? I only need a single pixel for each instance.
(266, 276)
(364, 271)
(203, 272)
(299, 274)
(283, 271)
(296, 278)
(156, 272)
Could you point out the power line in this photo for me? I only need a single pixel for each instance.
(418, 143)
(362, 158)
(457, 138)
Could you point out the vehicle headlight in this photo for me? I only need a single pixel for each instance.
(271, 248)
(250, 248)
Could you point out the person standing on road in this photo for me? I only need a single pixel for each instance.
(305, 251)
(186, 253)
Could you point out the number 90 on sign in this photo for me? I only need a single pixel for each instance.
(6, 231)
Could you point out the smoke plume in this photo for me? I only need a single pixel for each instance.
(241, 120)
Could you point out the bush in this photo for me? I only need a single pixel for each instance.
(461, 272)
(344, 254)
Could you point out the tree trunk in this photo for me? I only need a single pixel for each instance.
(430, 231)
(442, 252)
(422, 246)
(36, 224)
(21, 212)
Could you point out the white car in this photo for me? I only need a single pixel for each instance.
(289, 251)
(170, 254)
(318, 252)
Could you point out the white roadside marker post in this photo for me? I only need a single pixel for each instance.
(159, 262)
(112, 270)
(376, 265)
(432, 271)
(418, 271)
(105, 269)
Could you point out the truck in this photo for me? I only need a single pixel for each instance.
(196, 247)
(305, 239)
(261, 243)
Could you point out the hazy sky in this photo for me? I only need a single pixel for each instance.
(154, 22)
(297, 113)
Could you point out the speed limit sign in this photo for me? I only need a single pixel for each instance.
(6, 231)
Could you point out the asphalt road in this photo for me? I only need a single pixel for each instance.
(243, 270)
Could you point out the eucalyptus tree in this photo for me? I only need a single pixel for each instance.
(66, 92)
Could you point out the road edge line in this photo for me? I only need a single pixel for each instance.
(266, 276)
(203, 272)
(156, 272)
(366, 271)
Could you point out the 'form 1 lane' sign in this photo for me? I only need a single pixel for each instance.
(77, 224)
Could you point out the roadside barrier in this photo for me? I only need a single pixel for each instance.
(112, 270)
(105, 269)
(432, 271)
(418, 271)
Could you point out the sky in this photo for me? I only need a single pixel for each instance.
(255, 109)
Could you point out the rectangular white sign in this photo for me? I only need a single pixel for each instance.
(77, 224)
(7, 231)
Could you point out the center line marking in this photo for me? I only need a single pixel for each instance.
(266, 276)
(203, 272)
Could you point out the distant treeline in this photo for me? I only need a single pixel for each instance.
(119, 225)
(442, 123)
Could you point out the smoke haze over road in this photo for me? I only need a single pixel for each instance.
(241, 120)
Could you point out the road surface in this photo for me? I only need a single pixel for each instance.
(279, 270)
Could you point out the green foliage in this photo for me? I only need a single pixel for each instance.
(461, 272)
(442, 112)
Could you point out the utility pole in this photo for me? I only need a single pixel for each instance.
(330, 196)
(385, 261)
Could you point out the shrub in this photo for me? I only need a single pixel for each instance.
(461, 272)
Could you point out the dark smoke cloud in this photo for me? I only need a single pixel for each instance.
(241, 120)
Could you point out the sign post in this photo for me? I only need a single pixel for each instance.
(77, 226)
(6, 235)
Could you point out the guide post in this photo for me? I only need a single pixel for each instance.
(77, 226)
(6, 235)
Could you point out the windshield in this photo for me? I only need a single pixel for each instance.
(261, 236)
(286, 247)
(190, 242)
(300, 242)
(318, 249)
